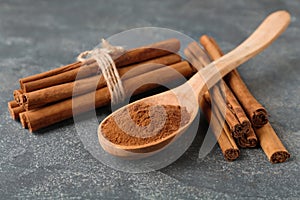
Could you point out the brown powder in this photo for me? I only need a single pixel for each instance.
(141, 123)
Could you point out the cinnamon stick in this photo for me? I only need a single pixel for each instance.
(43, 117)
(246, 140)
(237, 128)
(14, 109)
(235, 108)
(238, 121)
(271, 144)
(268, 139)
(12, 104)
(16, 95)
(225, 140)
(249, 140)
(64, 77)
(254, 110)
(23, 119)
(235, 116)
(50, 73)
(222, 96)
(56, 93)
(69, 73)
(148, 52)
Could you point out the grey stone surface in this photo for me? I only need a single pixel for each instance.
(36, 36)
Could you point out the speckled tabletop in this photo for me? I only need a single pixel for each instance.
(36, 36)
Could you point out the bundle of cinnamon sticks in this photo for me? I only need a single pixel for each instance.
(45, 99)
(237, 118)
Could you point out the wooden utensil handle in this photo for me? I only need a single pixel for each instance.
(260, 39)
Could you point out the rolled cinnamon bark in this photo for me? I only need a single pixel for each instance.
(235, 116)
(17, 94)
(14, 109)
(64, 77)
(12, 104)
(148, 65)
(220, 129)
(249, 140)
(225, 140)
(56, 93)
(268, 139)
(271, 144)
(221, 94)
(255, 111)
(237, 119)
(235, 108)
(148, 52)
(68, 74)
(50, 73)
(23, 119)
(236, 127)
(43, 117)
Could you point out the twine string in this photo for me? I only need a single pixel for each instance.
(104, 57)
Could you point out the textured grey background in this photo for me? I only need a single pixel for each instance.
(36, 36)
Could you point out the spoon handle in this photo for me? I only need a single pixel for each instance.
(260, 39)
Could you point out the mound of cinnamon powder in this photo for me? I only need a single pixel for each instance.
(141, 123)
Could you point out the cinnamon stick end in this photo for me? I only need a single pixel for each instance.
(237, 131)
(259, 118)
(241, 142)
(23, 120)
(279, 157)
(12, 114)
(204, 39)
(21, 84)
(245, 142)
(231, 154)
(252, 143)
(14, 109)
(16, 96)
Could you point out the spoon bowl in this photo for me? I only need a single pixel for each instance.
(187, 94)
(170, 97)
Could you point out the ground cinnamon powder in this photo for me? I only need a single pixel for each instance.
(144, 123)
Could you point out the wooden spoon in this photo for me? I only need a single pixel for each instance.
(187, 94)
